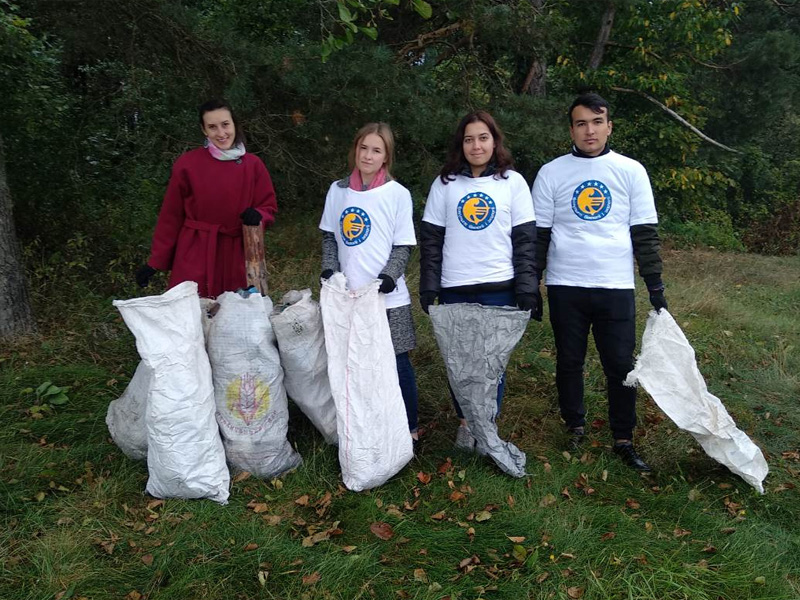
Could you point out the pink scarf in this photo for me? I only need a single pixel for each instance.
(377, 181)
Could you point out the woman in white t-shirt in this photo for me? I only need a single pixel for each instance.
(367, 234)
(478, 233)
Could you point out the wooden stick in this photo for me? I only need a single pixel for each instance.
(254, 261)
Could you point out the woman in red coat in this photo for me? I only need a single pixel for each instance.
(211, 193)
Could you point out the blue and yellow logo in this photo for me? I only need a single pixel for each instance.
(355, 225)
(591, 200)
(476, 211)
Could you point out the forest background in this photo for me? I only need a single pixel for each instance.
(99, 98)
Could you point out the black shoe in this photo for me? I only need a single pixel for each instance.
(630, 457)
(577, 437)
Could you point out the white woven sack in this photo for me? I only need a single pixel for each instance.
(252, 411)
(126, 415)
(667, 369)
(374, 441)
(297, 323)
(185, 457)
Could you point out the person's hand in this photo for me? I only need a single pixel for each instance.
(657, 299)
(387, 284)
(250, 216)
(143, 275)
(426, 299)
(326, 274)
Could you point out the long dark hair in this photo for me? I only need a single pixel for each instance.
(217, 104)
(456, 160)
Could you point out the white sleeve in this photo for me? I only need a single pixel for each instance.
(435, 209)
(521, 202)
(404, 220)
(328, 221)
(543, 201)
(643, 205)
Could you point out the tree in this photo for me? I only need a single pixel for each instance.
(15, 308)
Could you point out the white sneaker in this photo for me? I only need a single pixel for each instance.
(464, 439)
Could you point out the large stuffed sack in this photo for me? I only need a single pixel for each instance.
(667, 370)
(297, 323)
(252, 410)
(374, 441)
(476, 342)
(126, 415)
(185, 457)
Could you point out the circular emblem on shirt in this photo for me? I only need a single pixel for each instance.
(591, 200)
(476, 211)
(355, 225)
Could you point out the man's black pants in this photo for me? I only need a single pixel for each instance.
(611, 316)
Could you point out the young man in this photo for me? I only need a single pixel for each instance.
(595, 213)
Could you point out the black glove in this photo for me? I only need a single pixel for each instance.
(326, 274)
(426, 299)
(251, 216)
(143, 275)
(657, 299)
(387, 284)
(537, 313)
(527, 302)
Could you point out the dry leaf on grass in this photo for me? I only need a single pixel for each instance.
(575, 592)
(424, 478)
(311, 579)
(382, 530)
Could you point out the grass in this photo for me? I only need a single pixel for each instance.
(77, 524)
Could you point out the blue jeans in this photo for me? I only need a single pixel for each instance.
(501, 298)
(408, 387)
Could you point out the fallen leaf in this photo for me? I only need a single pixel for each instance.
(727, 530)
(271, 520)
(511, 502)
(547, 468)
(411, 506)
(678, 532)
(394, 511)
(147, 559)
(633, 504)
(517, 539)
(420, 576)
(382, 530)
(482, 516)
(609, 535)
(575, 592)
(567, 555)
(456, 496)
(262, 577)
(519, 553)
(133, 595)
(259, 507)
(542, 577)
(648, 526)
(241, 476)
(694, 494)
(547, 500)
(277, 484)
(251, 546)
(348, 549)
(709, 549)
(153, 504)
(438, 516)
(760, 580)
(471, 532)
(565, 493)
(435, 587)
(302, 500)
(424, 478)
(311, 579)
(604, 476)
(724, 486)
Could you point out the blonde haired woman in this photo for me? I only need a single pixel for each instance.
(367, 234)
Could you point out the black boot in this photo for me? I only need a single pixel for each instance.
(630, 457)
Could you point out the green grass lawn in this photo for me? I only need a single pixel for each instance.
(77, 524)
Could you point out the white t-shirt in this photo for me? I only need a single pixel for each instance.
(591, 204)
(366, 226)
(478, 214)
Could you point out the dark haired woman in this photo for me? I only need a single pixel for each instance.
(478, 232)
(367, 234)
(211, 193)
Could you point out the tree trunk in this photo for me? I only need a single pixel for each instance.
(602, 37)
(15, 308)
(536, 81)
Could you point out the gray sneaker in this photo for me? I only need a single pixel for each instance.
(464, 439)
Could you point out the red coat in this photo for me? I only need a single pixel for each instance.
(198, 235)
